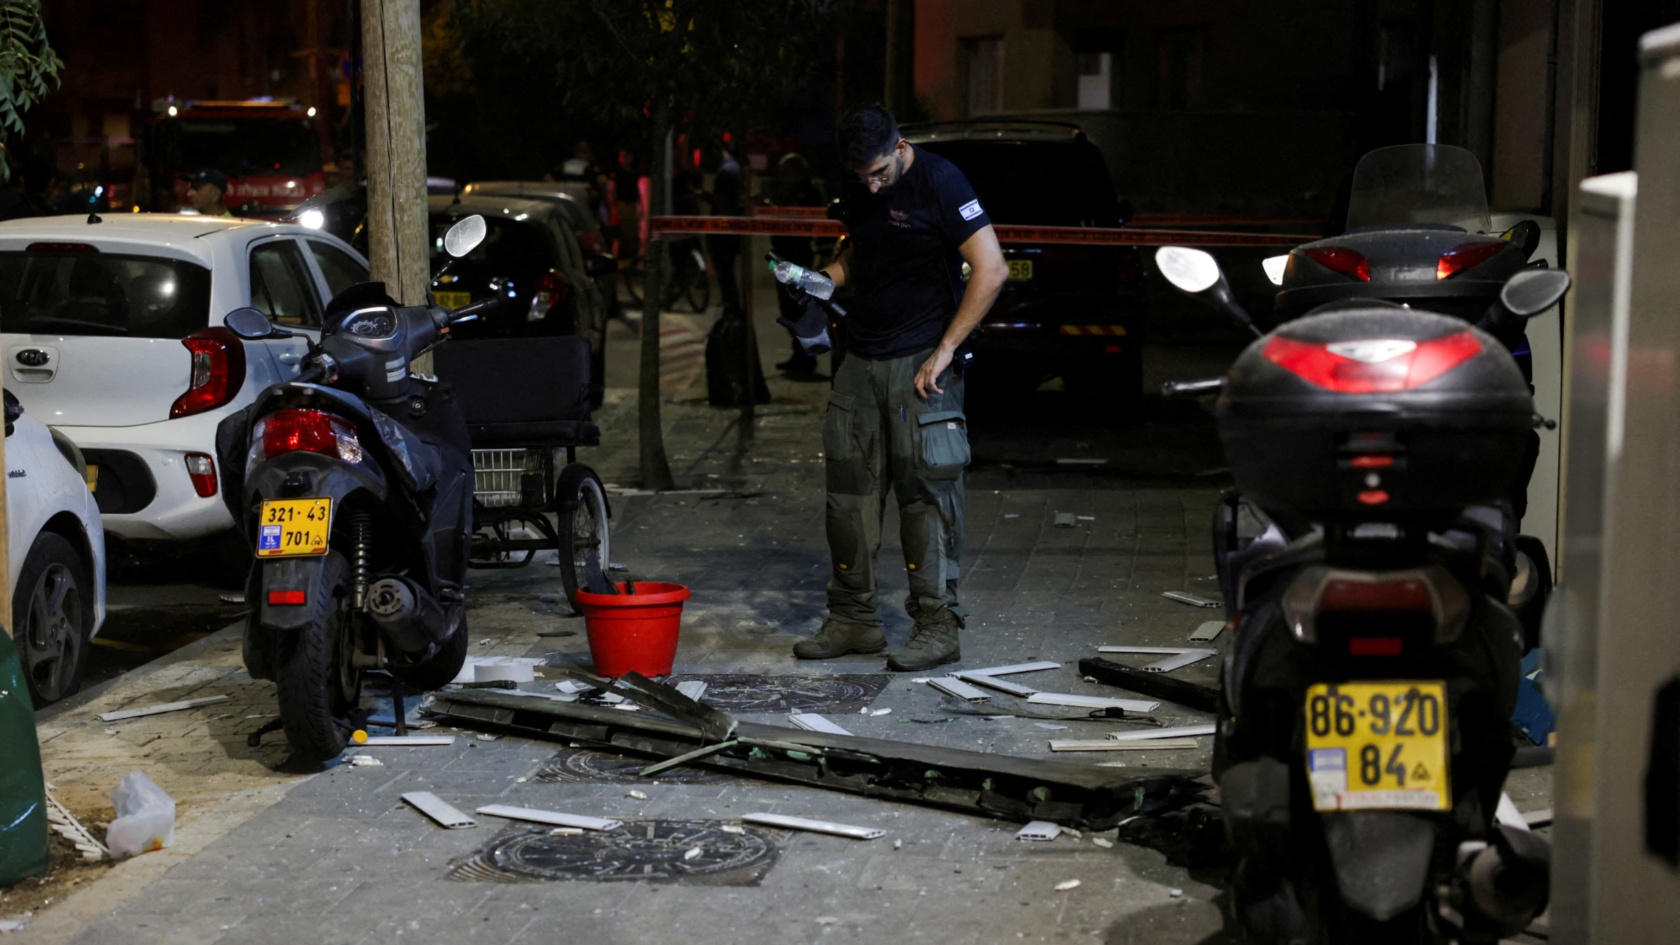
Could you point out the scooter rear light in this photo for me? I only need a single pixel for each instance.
(551, 288)
(1375, 646)
(293, 430)
(1466, 256)
(1340, 259)
(218, 371)
(287, 598)
(1372, 366)
(202, 469)
(1409, 593)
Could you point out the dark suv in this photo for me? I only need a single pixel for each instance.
(1068, 311)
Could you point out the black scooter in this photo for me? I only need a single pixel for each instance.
(358, 488)
(1372, 665)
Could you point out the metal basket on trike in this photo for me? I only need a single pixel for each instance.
(526, 402)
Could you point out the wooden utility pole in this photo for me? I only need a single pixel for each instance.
(394, 112)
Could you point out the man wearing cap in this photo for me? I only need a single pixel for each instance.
(205, 191)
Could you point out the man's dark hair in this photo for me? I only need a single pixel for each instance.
(866, 133)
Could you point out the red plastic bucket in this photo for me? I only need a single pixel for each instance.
(634, 632)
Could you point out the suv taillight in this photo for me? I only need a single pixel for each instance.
(295, 430)
(551, 288)
(218, 371)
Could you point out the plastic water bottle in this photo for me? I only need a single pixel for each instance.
(809, 280)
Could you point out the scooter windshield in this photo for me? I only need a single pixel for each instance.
(1411, 184)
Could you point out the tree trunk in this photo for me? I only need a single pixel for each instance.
(656, 469)
(395, 119)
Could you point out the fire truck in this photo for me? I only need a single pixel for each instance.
(274, 153)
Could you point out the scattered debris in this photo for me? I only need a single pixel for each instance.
(1087, 518)
(504, 670)
(1067, 884)
(1179, 731)
(1103, 842)
(1073, 833)
(898, 844)
(1193, 695)
(693, 853)
(952, 686)
(364, 761)
(469, 669)
(1175, 656)
(1013, 668)
(1080, 461)
(1012, 515)
(409, 741)
(1175, 892)
(815, 826)
(1538, 818)
(145, 817)
(159, 709)
(992, 682)
(1109, 744)
(736, 829)
(1064, 520)
(873, 713)
(572, 686)
(695, 755)
(974, 781)
(13, 925)
(67, 826)
(1053, 728)
(638, 795)
(1092, 702)
(1207, 631)
(1194, 600)
(487, 737)
(439, 810)
(827, 920)
(693, 688)
(812, 722)
(1039, 830)
(550, 817)
(566, 832)
(712, 724)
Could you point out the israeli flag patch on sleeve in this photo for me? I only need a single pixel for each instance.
(970, 210)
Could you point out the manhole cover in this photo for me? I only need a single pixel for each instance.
(584, 765)
(658, 851)
(746, 694)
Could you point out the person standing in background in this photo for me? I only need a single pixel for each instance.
(726, 250)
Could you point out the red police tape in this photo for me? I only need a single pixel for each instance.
(1076, 235)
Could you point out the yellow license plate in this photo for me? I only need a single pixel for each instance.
(290, 527)
(1378, 745)
(1020, 269)
(92, 478)
(453, 299)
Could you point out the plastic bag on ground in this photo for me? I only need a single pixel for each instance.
(23, 796)
(145, 817)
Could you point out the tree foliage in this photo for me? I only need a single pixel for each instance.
(716, 66)
(28, 65)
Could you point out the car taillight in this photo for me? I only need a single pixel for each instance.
(218, 371)
(202, 469)
(287, 598)
(295, 430)
(1340, 259)
(1466, 256)
(1375, 366)
(551, 288)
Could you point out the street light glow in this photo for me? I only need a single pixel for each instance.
(312, 219)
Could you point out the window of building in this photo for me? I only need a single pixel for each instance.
(1182, 53)
(1096, 80)
(985, 75)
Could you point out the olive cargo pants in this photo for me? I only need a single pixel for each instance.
(880, 434)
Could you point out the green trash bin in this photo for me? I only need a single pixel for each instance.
(23, 790)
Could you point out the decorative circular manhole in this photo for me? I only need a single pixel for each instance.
(746, 694)
(660, 851)
(583, 765)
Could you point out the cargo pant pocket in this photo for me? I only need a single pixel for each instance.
(942, 444)
(846, 466)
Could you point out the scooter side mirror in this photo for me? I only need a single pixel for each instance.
(1195, 272)
(465, 236)
(1532, 291)
(248, 323)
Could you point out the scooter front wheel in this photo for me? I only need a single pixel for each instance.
(318, 687)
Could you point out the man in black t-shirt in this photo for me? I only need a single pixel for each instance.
(895, 418)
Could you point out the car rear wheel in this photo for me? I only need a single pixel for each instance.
(52, 618)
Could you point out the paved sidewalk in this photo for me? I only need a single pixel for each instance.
(272, 857)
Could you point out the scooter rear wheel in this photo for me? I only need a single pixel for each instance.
(318, 689)
(585, 539)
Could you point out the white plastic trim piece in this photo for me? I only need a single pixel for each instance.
(1014, 668)
(693, 688)
(1039, 830)
(812, 722)
(1146, 734)
(1177, 662)
(1103, 744)
(952, 686)
(992, 682)
(159, 709)
(1208, 631)
(815, 826)
(1091, 702)
(439, 810)
(553, 818)
(409, 741)
(1147, 650)
(1194, 600)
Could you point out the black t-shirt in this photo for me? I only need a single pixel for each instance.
(905, 267)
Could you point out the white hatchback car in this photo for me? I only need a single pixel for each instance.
(57, 556)
(113, 334)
